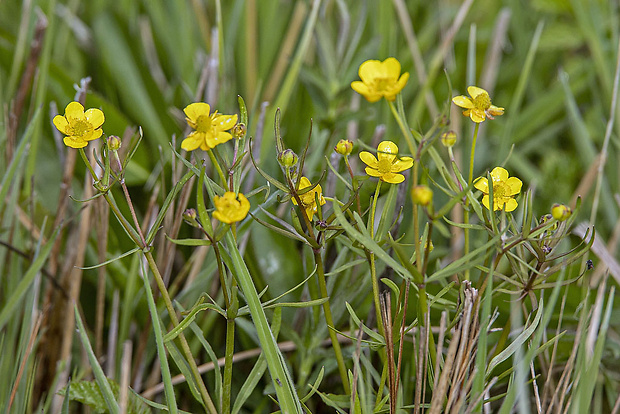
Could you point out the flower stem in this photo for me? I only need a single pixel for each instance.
(466, 210)
(330, 322)
(184, 345)
(373, 269)
(218, 168)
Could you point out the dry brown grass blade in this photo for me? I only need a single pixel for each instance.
(600, 251)
(386, 314)
(456, 376)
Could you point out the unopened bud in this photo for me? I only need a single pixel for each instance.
(189, 216)
(239, 130)
(344, 147)
(448, 139)
(114, 143)
(561, 212)
(422, 195)
(287, 158)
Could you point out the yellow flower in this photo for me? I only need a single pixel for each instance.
(479, 106)
(231, 208)
(308, 199)
(504, 189)
(388, 165)
(209, 129)
(344, 147)
(79, 126)
(422, 195)
(380, 80)
(561, 212)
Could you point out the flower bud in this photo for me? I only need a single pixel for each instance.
(287, 158)
(189, 216)
(448, 139)
(561, 212)
(344, 147)
(114, 143)
(239, 130)
(422, 195)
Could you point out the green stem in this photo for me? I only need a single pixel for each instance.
(228, 365)
(218, 168)
(373, 269)
(330, 322)
(87, 163)
(402, 124)
(466, 210)
(184, 345)
(161, 349)
(282, 381)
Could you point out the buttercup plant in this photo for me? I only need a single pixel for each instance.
(345, 243)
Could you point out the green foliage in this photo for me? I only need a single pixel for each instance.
(340, 296)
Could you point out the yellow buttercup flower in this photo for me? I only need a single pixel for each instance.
(561, 212)
(380, 80)
(308, 199)
(479, 106)
(231, 207)
(209, 128)
(79, 126)
(387, 165)
(504, 189)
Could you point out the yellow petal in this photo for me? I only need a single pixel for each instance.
(495, 110)
(60, 122)
(474, 91)
(94, 135)
(402, 164)
(74, 110)
(369, 159)
(369, 70)
(218, 138)
(225, 122)
(95, 117)
(393, 178)
(193, 141)
(387, 147)
(514, 185)
(362, 89)
(482, 184)
(463, 102)
(392, 67)
(373, 172)
(477, 115)
(499, 174)
(74, 143)
(485, 201)
(194, 110)
(304, 183)
(511, 205)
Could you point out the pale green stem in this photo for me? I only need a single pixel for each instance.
(469, 181)
(373, 270)
(218, 168)
(184, 345)
(330, 322)
(403, 128)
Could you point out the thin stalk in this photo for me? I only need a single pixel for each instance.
(232, 306)
(228, 365)
(373, 270)
(470, 178)
(184, 345)
(330, 322)
(218, 168)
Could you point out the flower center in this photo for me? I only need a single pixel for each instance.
(80, 127)
(381, 83)
(384, 166)
(204, 123)
(482, 101)
(499, 190)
